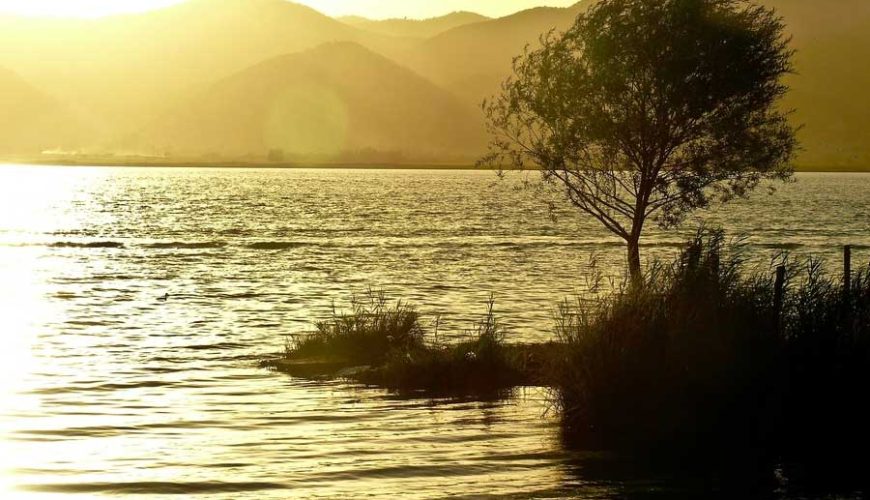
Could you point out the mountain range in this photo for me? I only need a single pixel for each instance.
(261, 80)
(414, 28)
(29, 116)
(338, 101)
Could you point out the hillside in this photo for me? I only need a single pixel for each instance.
(338, 101)
(415, 28)
(32, 121)
(830, 90)
(124, 75)
(126, 69)
(472, 60)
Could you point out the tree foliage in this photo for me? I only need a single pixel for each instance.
(649, 109)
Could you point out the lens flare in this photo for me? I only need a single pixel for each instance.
(307, 120)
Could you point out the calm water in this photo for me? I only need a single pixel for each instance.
(105, 390)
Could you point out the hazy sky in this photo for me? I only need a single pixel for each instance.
(79, 8)
(376, 9)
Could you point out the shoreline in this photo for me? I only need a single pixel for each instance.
(528, 361)
(244, 165)
(241, 165)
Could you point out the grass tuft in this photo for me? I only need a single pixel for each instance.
(390, 343)
(481, 363)
(372, 332)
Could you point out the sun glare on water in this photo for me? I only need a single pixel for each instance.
(79, 8)
(27, 198)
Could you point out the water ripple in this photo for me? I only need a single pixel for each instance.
(111, 391)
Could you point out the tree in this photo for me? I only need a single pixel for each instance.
(649, 109)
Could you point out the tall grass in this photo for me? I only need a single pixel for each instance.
(369, 334)
(827, 330)
(674, 359)
(401, 353)
(481, 363)
(696, 362)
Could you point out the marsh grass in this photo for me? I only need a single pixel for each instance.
(371, 332)
(670, 360)
(826, 432)
(693, 365)
(480, 363)
(696, 362)
(400, 352)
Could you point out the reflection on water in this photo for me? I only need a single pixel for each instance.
(105, 389)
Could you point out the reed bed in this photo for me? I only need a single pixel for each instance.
(708, 360)
(393, 346)
(703, 360)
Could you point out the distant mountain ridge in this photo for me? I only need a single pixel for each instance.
(415, 28)
(830, 87)
(174, 80)
(339, 101)
(32, 121)
(472, 60)
(128, 69)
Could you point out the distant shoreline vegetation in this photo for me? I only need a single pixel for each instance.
(145, 162)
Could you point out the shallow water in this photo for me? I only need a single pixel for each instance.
(106, 390)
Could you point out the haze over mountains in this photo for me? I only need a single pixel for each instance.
(336, 101)
(414, 28)
(260, 80)
(28, 115)
(831, 87)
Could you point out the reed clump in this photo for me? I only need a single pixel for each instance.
(481, 363)
(373, 331)
(679, 358)
(825, 432)
(389, 345)
(701, 359)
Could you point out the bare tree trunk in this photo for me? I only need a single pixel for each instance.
(634, 270)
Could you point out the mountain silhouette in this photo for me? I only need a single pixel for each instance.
(415, 28)
(163, 81)
(472, 60)
(32, 121)
(129, 69)
(830, 86)
(337, 101)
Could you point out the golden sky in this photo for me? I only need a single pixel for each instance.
(80, 8)
(376, 9)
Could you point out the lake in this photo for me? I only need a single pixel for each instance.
(106, 390)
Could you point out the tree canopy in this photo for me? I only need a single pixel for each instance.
(648, 109)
